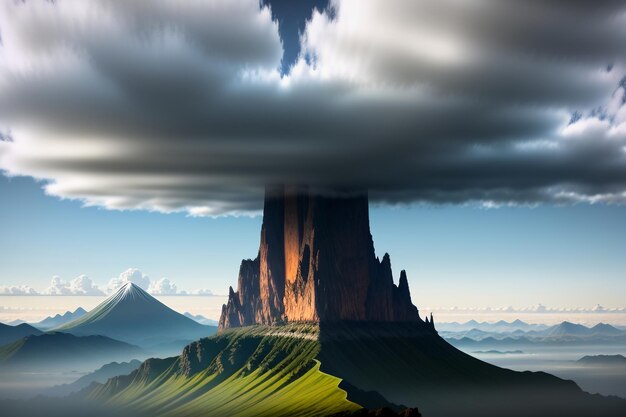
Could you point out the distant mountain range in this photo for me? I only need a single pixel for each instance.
(201, 319)
(100, 375)
(10, 334)
(59, 320)
(563, 331)
(498, 327)
(134, 316)
(61, 351)
(571, 329)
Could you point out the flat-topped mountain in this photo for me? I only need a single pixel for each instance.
(603, 360)
(134, 316)
(316, 262)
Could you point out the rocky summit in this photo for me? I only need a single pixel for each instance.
(316, 262)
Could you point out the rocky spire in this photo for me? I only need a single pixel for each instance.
(316, 262)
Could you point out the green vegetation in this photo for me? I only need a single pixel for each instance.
(320, 370)
(255, 371)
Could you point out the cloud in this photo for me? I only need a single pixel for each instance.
(17, 290)
(163, 287)
(133, 275)
(183, 108)
(534, 309)
(203, 291)
(81, 285)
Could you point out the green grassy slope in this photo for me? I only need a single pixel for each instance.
(319, 370)
(253, 371)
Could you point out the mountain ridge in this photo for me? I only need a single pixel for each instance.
(63, 351)
(59, 319)
(9, 334)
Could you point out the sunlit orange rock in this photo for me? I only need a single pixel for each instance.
(316, 262)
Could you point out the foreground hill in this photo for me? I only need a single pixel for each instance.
(10, 334)
(63, 352)
(254, 371)
(134, 316)
(328, 368)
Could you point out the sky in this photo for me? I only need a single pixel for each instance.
(137, 142)
(471, 257)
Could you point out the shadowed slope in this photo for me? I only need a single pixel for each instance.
(414, 366)
(61, 351)
(9, 334)
(296, 369)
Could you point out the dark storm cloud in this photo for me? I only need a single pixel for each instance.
(169, 105)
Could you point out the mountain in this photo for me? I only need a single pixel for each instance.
(244, 372)
(318, 327)
(58, 320)
(61, 351)
(326, 368)
(497, 327)
(134, 316)
(567, 329)
(10, 334)
(578, 330)
(606, 330)
(201, 319)
(563, 333)
(316, 262)
(100, 375)
(603, 360)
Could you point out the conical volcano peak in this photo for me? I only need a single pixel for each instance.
(132, 315)
(131, 291)
(130, 288)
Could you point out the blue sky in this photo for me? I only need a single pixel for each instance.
(196, 108)
(466, 256)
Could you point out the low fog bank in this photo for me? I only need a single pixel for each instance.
(562, 362)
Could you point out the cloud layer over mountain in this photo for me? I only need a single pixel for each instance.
(133, 275)
(17, 290)
(163, 286)
(81, 285)
(175, 106)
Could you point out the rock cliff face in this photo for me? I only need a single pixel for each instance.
(316, 262)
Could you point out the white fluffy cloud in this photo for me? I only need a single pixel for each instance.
(181, 106)
(81, 285)
(162, 286)
(17, 290)
(133, 275)
(203, 291)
